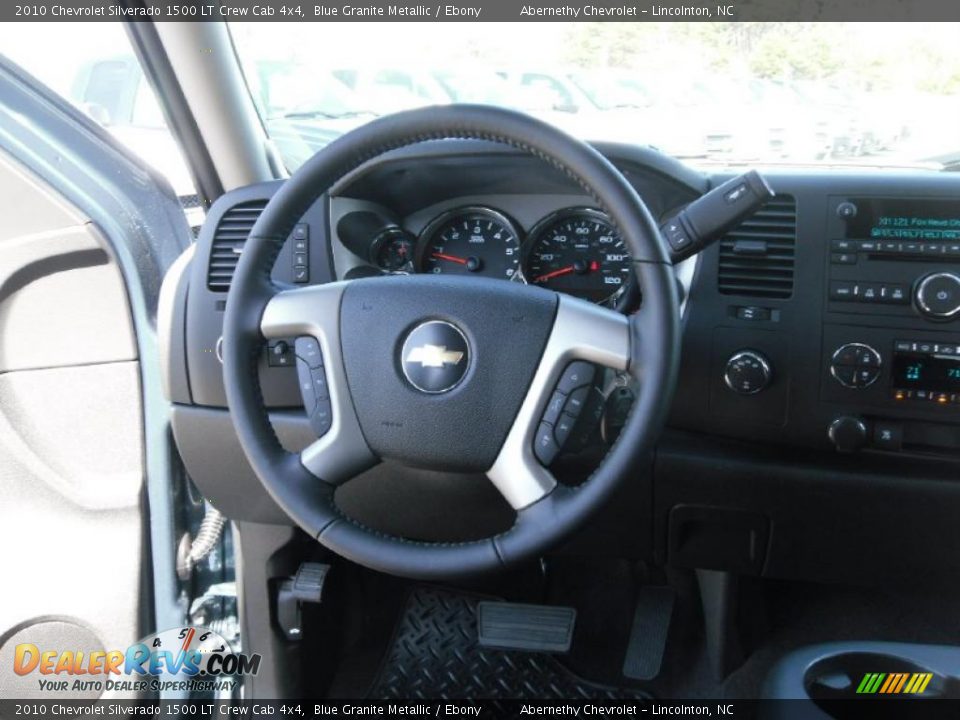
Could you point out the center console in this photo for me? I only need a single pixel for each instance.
(832, 319)
(890, 343)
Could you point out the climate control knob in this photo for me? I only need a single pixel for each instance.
(747, 372)
(848, 434)
(938, 295)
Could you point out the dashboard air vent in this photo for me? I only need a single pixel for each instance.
(228, 240)
(757, 256)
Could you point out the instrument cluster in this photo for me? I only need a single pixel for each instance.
(576, 250)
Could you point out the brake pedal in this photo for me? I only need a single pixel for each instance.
(534, 628)
(648, 637)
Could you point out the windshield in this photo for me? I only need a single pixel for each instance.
(830, 94)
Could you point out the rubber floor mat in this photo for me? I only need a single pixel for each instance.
(434, 654)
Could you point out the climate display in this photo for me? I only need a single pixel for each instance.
(935, 373)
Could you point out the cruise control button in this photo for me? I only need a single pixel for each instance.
(576, 401)
(577, 374)
(322, 418)
(544, 446)
(308, 350)
(306, 386)
(563, 428)
(554, 407)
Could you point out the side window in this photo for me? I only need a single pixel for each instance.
(94, 68)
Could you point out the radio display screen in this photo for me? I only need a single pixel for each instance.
(900, 219)
(936, 373)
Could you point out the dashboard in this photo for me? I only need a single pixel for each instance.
(820, 368)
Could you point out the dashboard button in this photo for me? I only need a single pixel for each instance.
(843, 258)
(865, 377)
(868, 292)
(894, 294)
(843, 290)
(308, 350)
(554, 407)
(887, 435)
(577, 374)
(544, 446)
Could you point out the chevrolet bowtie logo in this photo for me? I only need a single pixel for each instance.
(435, 356)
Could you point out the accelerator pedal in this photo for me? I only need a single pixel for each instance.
(648, 637)
(533, 628)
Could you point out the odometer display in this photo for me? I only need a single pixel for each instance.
(472, 241)
(579, 252)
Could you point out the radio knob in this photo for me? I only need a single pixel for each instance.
(747, 372)
(938, 295)
(848, 434)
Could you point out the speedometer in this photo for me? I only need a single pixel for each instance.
(578, 251)
(472, 240)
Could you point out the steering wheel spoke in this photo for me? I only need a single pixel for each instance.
(312, 316)
(581, 332)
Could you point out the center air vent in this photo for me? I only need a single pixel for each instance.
(757, 256)
(228, 239)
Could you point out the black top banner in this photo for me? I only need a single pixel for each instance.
(483, 10)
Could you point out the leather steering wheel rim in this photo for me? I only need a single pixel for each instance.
(651, 353)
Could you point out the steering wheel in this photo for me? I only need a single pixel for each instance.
(446, 373)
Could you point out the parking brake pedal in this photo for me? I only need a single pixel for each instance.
(648, 637)
(534, 628)
(304, 587)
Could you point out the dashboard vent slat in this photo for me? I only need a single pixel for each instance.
(766, 273)
(228, 239)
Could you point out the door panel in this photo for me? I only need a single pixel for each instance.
(72, 520)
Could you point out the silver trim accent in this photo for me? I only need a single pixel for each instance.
(342, 453)
(751, 354)
(924, 308)
(166, 303)
(403, 356)
(581, 331)
(833, 365)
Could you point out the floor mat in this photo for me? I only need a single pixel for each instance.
(434, 654)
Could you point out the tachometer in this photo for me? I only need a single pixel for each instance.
(579, 252)
(472, 240)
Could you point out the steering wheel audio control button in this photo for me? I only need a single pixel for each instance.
(576, 401)
(544, 446)
(322, 418)
(305, 379)
(554, 407)
(308, 350)
(320, 388)
(563, 428)
(577, 374)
